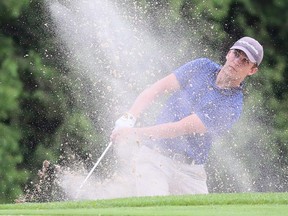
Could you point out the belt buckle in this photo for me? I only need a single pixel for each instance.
(183, 159)
(178, 157)
(192, 162)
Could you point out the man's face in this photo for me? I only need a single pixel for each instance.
(238, 66)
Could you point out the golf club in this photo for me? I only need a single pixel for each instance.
(96, 164)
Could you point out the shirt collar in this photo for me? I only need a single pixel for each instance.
(225, 91)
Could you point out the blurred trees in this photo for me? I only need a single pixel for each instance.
(37, 109)
(40, 115)
(11, 88)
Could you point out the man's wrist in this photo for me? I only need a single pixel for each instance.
(126, 120)
(130, 116)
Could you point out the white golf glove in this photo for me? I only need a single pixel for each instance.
(127, 120)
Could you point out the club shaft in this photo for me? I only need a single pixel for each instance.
(96, 164)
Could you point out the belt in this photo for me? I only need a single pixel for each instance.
(177, 157)
(183, 159)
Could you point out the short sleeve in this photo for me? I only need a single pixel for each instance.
(186, 72)
(221, 118)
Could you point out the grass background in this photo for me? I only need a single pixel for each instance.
(255, 204)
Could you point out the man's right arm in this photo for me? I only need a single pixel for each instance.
(165, 85)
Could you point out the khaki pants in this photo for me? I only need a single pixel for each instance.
(157, 174)
(143, 171)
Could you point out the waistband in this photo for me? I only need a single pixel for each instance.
(182, 158)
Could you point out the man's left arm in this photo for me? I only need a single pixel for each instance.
(189, 125)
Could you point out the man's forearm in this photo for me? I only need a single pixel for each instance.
(189, 125)
(162, 131)
(142, 102)
(165, 85)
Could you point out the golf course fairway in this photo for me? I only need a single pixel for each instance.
(246, 204)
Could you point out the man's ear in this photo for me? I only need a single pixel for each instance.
(228, 53)
(253, 71)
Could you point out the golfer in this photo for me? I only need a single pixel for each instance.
(205, 100)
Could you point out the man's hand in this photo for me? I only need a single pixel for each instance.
(123, 134)
(122, 126)
(125, 121)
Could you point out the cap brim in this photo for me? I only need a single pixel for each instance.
(249, 55)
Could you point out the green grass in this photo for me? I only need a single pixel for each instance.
(253, 204)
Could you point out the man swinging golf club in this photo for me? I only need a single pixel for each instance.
(206, 100)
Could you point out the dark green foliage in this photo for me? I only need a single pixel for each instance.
(36, 101)
(11, 88)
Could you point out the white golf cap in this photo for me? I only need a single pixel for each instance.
(251, 47)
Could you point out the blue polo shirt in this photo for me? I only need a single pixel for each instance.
(217, 108)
